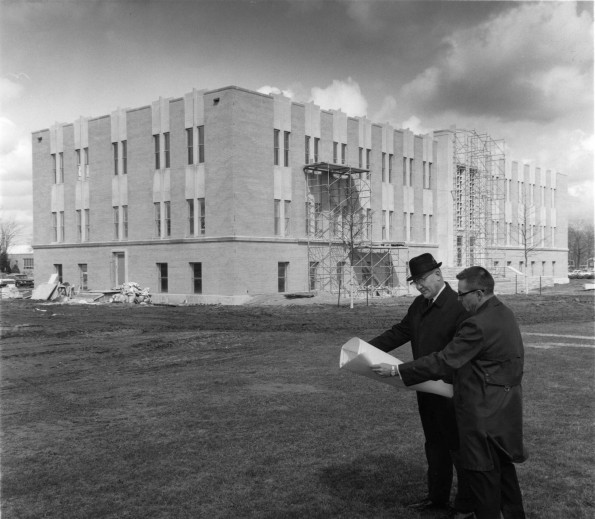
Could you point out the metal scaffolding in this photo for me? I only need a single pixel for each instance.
(341, 255)
(478, 192)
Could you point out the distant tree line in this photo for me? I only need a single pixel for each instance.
(581, 245)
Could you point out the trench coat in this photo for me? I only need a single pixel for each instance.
(487, 357)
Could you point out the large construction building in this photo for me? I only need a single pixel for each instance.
(221, 195)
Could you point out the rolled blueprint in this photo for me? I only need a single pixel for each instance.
(357, 356)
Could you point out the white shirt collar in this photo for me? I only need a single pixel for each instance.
(438, 294)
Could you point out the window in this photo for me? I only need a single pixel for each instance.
(390, 168)
(429, 175)
(201, 144)
(343, 153)
(340, 274)
(167, 207)
(316, 146)
(308, 217)
(190, 206)
(87, 224)
(61, 177)
(360, 154)
(190, 145)
(156, 143)
(553, 197)
(368, 154)
(317, 217)
(61, 226)
(307, 149)
(368, 223)
(426, 175)
(383, 160)
(553, 236)
(404, 171)
(83, 276)
(405, 227)
(411, 172)
(410, 226)
(277, 210)
(508, 183)
(553, 268)
(166, 148)
(157, 207)
(162, 277)
(78, 164)
(124, 157)
(282, 270)
(28, 263)
(543, 268)
(286, 149)
(196, 269)
(116, 220)
(424, 229)
(54, 227)
(79, 226)
(276, 147)
(54, 168)
(287, 217)
(125, 222)
(384, 225)
(335, 144)
(459, 251)
(508, 232)
(313, 267)
(430, 227)
(86, 157)
(115, 152)
(521, 265)
(58, 270)
(202, 215)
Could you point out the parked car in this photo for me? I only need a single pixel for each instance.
(23, 281)
(7, 281)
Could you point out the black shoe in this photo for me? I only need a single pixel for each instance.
(455, 514)
(427, 504)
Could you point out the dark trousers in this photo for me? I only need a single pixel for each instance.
(496, 490)
(441, 443)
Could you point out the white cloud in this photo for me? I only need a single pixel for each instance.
(387, 110)
(341, 95)
(268, 90)
(414, 124)
(534, 62)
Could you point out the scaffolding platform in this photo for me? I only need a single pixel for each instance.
(341, 254)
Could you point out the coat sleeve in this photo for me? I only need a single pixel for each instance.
(465, 346)
(396, 336)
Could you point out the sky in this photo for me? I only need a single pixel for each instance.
(521, 72)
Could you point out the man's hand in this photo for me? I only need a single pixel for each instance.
(383, 370)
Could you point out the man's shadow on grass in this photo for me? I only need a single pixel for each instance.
(383, 482)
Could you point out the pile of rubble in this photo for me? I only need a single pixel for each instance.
(131, 292)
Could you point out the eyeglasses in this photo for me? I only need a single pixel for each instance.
(461, 294)
(420, 281)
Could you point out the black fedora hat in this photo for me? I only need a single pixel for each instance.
(421, 264)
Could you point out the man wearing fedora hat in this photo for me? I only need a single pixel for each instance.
(430, 324)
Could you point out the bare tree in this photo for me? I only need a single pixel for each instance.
(10, 231)
(580, 242)
(530, 237)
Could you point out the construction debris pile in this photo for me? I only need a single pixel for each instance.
(131, 292)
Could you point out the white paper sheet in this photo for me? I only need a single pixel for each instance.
(357, 356)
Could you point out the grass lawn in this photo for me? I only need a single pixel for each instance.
(120, 411)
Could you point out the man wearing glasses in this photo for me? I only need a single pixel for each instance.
(486, 357)
(430, 324)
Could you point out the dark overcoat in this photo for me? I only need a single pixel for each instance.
(487, 357)
(428, 329)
